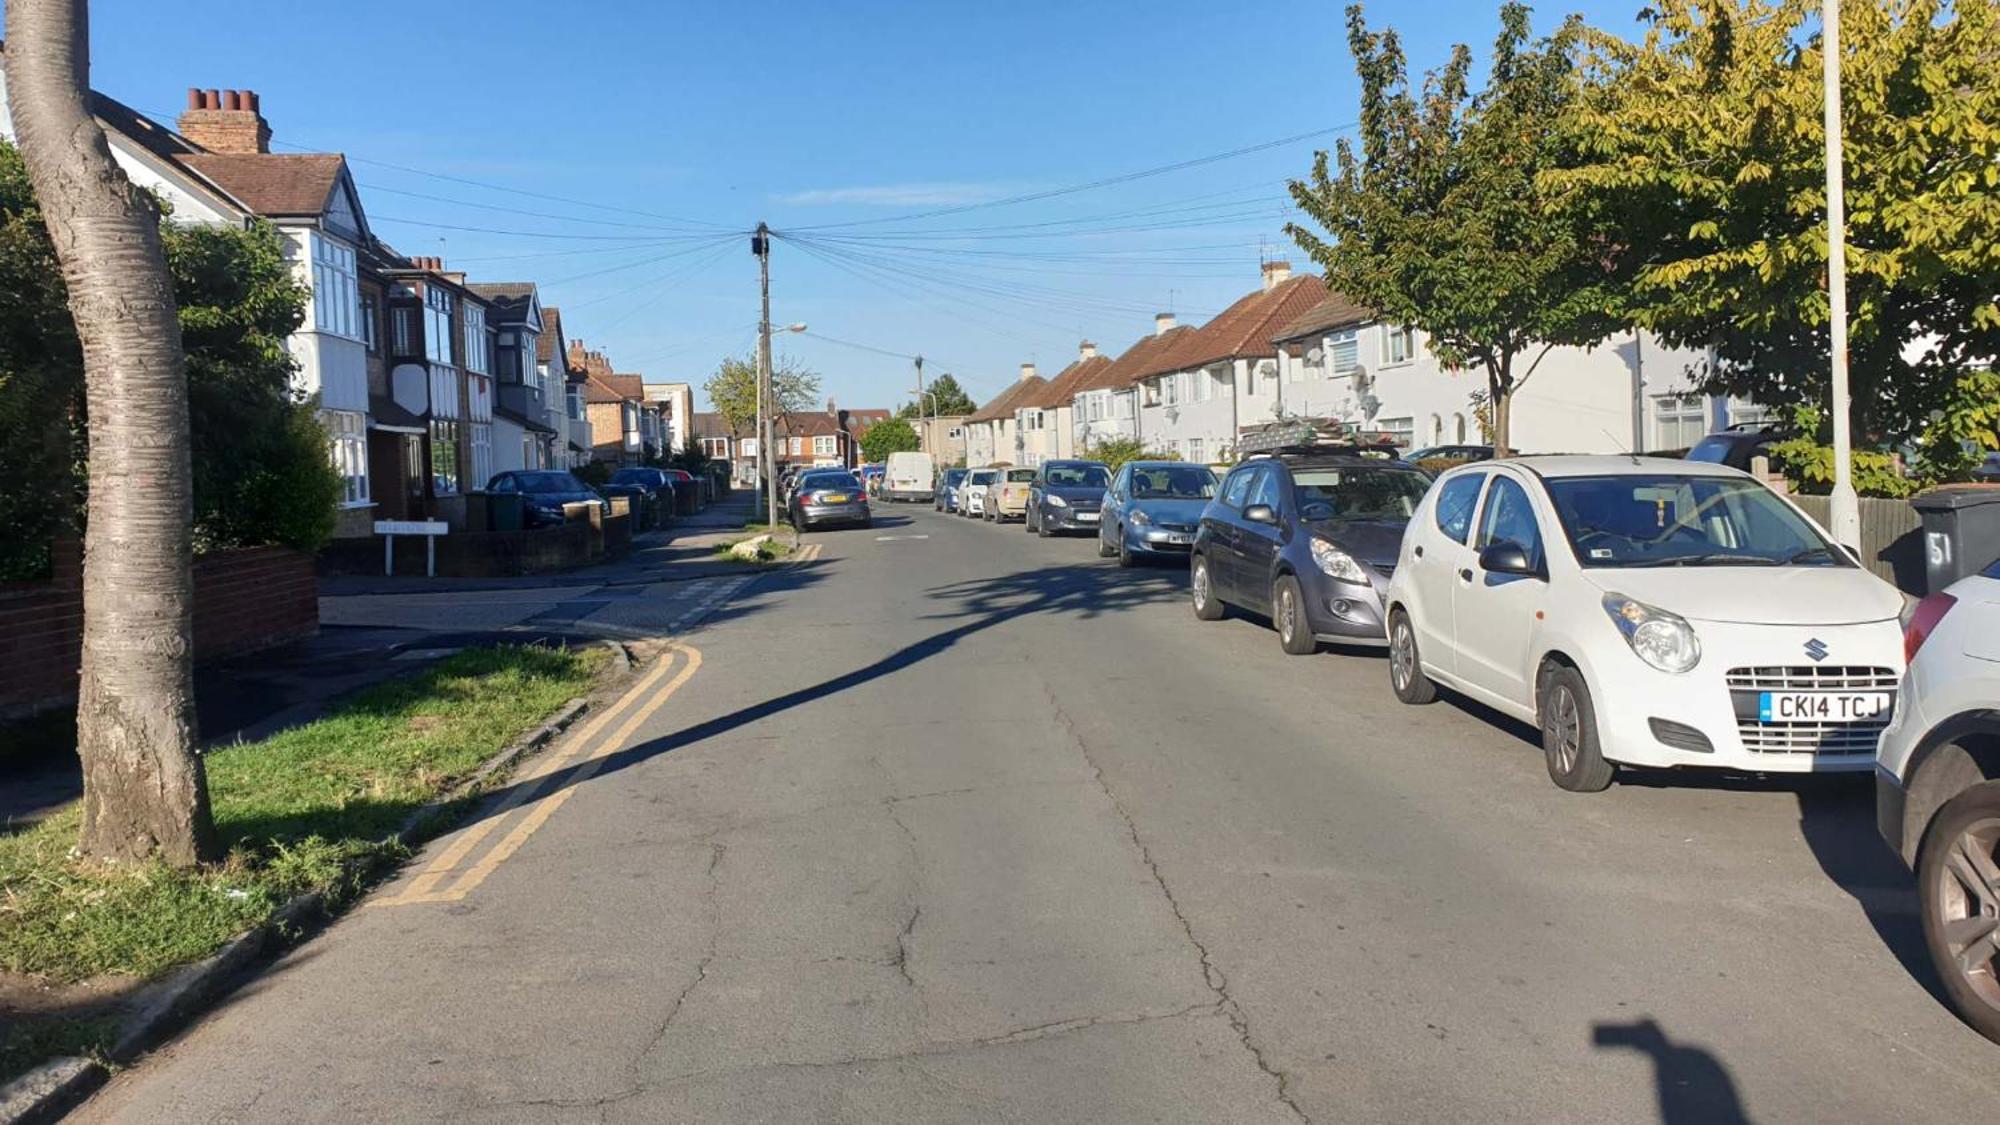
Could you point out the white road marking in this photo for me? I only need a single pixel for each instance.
(893, 538)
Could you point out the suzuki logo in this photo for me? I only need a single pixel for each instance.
(1816, 649)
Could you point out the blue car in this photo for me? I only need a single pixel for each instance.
(945, 498)
(1152, 509)
(1309, 536)
(1065, 496)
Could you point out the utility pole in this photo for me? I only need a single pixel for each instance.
(923, 428)
(760, 245)
(1844, 505)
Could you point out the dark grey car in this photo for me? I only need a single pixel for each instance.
(828, 496)
(1065, 496)
(1309, 538)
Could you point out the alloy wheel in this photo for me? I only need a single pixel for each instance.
(1566, 725)
(1288, 615)
(1969, 904)
(1200, 585)
(1402, 655)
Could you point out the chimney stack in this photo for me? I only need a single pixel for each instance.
(1086, 350)
(1275, 272)
(227, 121)
(1027, 371)
(1163, 323)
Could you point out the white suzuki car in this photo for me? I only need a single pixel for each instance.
(1937, 787)
(1644, 612)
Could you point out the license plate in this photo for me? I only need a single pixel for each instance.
(1086, 517)
(1821, 706)
(834, 498)
(1178, 538)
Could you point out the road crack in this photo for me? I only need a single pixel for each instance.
(1212, 974)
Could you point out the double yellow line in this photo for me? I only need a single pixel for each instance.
(449, 877)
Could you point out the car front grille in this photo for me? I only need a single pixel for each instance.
(1809, 736)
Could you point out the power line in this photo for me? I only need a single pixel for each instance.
(672, 232)
(1052, 193)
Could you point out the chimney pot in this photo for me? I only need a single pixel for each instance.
(252, 102)
(1275, 271)
(194, 97)
(1027, 371)
(1163, 323)
(232, 100)
(213, 99)
(1086, 350)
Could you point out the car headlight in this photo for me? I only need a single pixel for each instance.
(1139, 518)
(1057, 500)
(1336, 563)
(1664, 640)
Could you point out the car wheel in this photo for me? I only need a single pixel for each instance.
(1042, 525)
(1569, 733)
(1406, 667)
(1104, 549)
(1288, 613)
(1958, 881)
(1125, 556)
(1207, 606)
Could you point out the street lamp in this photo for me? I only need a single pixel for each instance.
(767, 424)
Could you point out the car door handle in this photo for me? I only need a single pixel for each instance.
(1465, 574)
(1418, 550)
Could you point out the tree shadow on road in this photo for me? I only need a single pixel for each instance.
(1691, 1086)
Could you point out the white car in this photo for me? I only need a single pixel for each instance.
(1644, 612)
(1937, 787)
(973, 489)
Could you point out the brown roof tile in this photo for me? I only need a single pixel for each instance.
(1062, 389)
(552, 334)
(1244, 329)
(272, 184)
(1333, 311)
(1019, 394)
(1130, 366)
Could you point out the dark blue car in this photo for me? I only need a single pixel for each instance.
(1308, 537)
(1152, 509)
(1065, 496)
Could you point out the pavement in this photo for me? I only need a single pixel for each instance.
(950, 823)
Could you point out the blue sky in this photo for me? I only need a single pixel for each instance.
(646, 133)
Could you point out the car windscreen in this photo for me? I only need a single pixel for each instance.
(1358, 493)
(982, 476)
(954, 476)
(1078, 476)
(1173, 482)
(1020, 476)
(549, 482)
(1667, 519)
(1713, 449)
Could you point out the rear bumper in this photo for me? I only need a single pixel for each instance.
(922, 496)
(834, 513)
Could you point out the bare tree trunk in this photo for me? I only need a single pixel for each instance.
(144, 793)
(1500, 400)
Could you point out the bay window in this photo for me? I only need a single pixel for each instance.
(478, 357)
(347, 435)
(444, 458)
(336, 289)
(482, 452)
(437, 324)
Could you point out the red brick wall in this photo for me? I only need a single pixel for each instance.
(243, 601)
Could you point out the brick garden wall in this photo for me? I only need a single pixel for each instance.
(243, 601)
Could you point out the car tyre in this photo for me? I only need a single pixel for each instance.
(1106, 550)
(1288, 614)
(1569, 733)
(1201, 588)
(1126, 558)
(1959, 894)
(1406, 665)
(1041, 525)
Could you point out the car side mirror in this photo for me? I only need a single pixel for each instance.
(1506, 558)
(1261, 513)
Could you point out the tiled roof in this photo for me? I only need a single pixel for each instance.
(503, 290)
(1244, 329)
(710, 423)
(1333, 311)
(552, 335)
(628, 386)
(809, 424)
(1142, 359)
(272, 184)
(594, 390)
(1020, 393)
(1062, 389)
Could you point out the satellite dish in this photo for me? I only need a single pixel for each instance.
(1315, 357)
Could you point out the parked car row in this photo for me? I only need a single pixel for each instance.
(1641, 612)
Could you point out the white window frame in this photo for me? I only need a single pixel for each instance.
(347, 443)
(1170, 391)
(1404, 430)
(482, 452)
(336, 289)
(1399, 345)
(437, 324)
(824, 445)
(1197, 451)
(478, 349)
(1672, 417)
(1343, 353)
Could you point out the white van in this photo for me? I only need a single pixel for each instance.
(909, 476)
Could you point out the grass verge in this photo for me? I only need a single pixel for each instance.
(309, 809)
(770, 550)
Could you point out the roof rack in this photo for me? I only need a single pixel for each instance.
(1314, 435)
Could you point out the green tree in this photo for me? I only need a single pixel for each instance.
(947, 397)
(732, 390)
(1439, 222)
(258, 456)
(1701, 151)
(884, 438)
(1117, 451)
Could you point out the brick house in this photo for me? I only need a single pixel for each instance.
(524, 412)
(572, 425)
(440, 367)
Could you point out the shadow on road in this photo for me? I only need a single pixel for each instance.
(1690, 1084)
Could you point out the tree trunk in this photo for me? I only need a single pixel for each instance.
(144, 793)
(1500, 400)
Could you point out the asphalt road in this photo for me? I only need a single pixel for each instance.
(958, 824)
